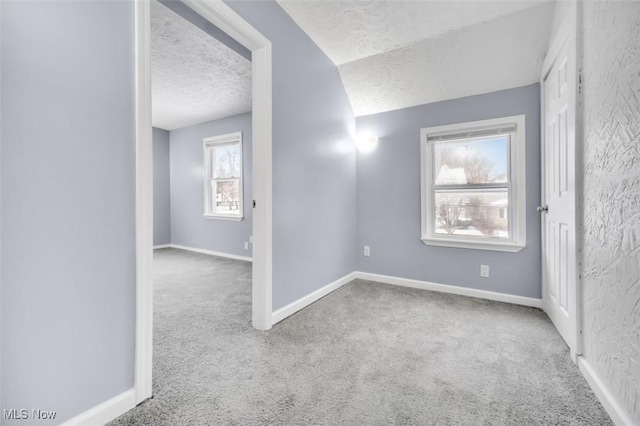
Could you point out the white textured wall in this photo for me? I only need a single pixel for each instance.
(612, 197)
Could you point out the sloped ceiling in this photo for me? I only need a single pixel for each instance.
(394, 54)
(195, 78)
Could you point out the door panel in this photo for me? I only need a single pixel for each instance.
(559, 221)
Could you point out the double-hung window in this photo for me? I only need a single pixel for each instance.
(223, 177)
(473, 184)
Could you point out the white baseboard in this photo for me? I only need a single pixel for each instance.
(161, 246)
(105, 412)
(212, 253)
(452, 289)
(615, 411)
(305, 301)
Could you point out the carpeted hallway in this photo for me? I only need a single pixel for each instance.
(367, 354)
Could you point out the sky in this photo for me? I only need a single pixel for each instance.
(496, 149)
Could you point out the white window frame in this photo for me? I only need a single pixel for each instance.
(516, 186)
(208, 145)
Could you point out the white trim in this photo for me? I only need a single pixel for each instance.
(161, 246)
(516, 186)
(144, 205)
(451, 289)
(105, 412)
(211, 252)
(223, 139)
(307, 300)
(262, 189)
(579, 170)
(209, 144)
(223, 217)
(482, 245)
(615, 410)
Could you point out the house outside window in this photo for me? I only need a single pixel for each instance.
(473, 184)
(223, 177)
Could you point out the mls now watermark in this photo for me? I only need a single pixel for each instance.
(24, 414)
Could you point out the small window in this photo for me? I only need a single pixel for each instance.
(223, 177)
(473, 185)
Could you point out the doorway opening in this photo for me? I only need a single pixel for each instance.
(221, 17)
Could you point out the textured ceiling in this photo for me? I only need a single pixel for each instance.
(195, 78)
(496, 55)
(394, 54)
(347, 30)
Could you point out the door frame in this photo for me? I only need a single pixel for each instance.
(567, 31)
(221, 15)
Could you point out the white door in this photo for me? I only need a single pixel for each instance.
(559, 192)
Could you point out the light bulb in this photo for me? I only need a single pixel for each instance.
(367, 143)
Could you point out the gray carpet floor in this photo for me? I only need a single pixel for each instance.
(367, 354)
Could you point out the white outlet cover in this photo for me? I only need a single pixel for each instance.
(484, 271)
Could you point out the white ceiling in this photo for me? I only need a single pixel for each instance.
(394, 54)
(195, 78)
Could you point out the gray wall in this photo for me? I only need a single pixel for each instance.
(161, 182)
(314, 222)
(68, 204)
(188, 226)
(611, 286)
(389, 198)
(68, 188)
(1, 301)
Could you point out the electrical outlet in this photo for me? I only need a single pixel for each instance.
(367, 251)
(251, 239)
(246, 245)
(484, 271)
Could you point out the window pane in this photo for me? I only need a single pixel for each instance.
(473, 213)
(226, 196)
(227, 160)
(473, 161)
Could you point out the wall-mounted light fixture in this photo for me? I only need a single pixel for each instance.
(366, 142)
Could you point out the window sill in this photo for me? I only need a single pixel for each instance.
(476, 245)
(223, 217)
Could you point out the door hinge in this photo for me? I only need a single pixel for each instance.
(254, 204)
